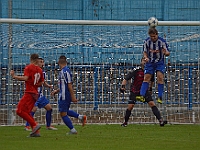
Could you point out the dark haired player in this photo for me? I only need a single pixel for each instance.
(137, 74)
(66, 96)
(33, 78)
(155, 49)
(42, 101)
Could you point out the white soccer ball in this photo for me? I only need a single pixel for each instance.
(152, 22)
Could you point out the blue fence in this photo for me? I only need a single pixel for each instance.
(98, 45)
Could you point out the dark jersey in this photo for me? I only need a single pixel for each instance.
(137, 76)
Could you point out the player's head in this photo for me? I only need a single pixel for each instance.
(153, 34)
(40, 62)
(62, 60)
(34, 58)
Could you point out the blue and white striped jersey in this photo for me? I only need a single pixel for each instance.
(154, 49)
(40, 89)
(65, 77)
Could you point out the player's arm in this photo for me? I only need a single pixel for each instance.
(70, 87)
(166, 52)
(40, 83)
(165, 49)
(55, 92)
(20, 78)
(145, 49)
(47, 85)
(124, 82)
(123, 86)
(145, 55)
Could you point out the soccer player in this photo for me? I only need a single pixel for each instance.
(43, 102)
(66, 96)
(155, 49)
(33, 78)
(137, 76)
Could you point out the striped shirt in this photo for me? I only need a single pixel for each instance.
(40, 89)
(65, 77)
(154, 49)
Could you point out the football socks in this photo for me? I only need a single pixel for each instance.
(160, 90)
(68, 122)
(48, 117)
(144, 88)
(156, 112)
(127, 115)
(72, 113)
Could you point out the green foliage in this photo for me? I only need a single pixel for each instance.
(104, 137)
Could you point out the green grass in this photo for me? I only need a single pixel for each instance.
(104, 137)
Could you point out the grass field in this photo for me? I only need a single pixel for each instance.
(104, 137)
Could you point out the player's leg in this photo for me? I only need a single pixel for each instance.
(131, 104)
(160, 80)
(27, 126)
(154, 108)
(49, 117)
(63, 109)
(23, 110)
(43, 102)
(160, 70)
(148, 70)
(72, 113)
(144, 88)
(151, 83)
(68, 122)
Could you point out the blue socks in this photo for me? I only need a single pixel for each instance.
(72, 113)
(48, 117)
(144, 88)
(160, 90)
(68, 122)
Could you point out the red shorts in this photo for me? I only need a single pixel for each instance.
(27, 102)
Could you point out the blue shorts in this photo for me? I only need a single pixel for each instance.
(63, 105)
(151, 68)
(42, 102)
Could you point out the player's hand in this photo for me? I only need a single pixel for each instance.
(12, 73)
(146, 59)
(165, 52)
(122, 90)
(54, 92)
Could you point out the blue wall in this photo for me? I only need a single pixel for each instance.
(104, 9)
(119, 44)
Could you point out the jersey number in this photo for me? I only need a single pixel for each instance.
(37, 78)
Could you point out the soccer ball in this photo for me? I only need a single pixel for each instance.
(152, 22)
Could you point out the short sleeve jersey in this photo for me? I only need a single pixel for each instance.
(154, 49)
(40, 89)
(137, 76)
(35, 76)
(65, 77)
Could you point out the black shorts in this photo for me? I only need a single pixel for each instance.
(132, 97)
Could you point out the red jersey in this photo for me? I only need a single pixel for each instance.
(137, 74)
(35, 76)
